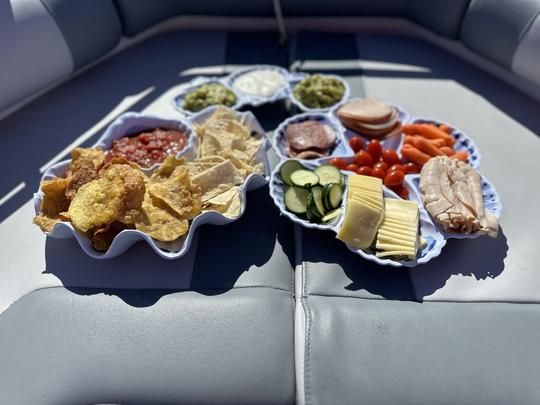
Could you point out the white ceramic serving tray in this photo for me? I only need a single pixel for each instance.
(435, 240)
(341, 147)
(129, 123)
(296, 78)
(256, 101)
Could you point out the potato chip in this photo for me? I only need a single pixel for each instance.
(178, 193)
(54, 197)
(158, 222)
(96, 156)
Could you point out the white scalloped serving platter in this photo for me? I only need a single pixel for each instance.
(132, 122)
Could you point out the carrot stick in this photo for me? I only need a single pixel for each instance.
(414, 155)
(432, 132)
(438, 142)
(447, 150)
(427, 147)
(410, 139)
(446, 128)
(411, 129)
(461, 155)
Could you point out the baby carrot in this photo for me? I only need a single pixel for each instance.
(426, 146)
(432, 132)
(461, 155)
(411, 129)
(414, 155)
(438, 142)
(446, 128)
(447, 150)
(410, 139)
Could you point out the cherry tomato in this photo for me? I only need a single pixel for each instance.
(374, 148)
(363, 158)
(339, 163)
(353, 167)
(390, 156)
(394, 178)
(397, 166)
(411, 168)
(403, 192)
(378, 173)
(381, 165)
(356, 143)
(365, 170)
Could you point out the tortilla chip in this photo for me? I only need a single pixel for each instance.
(160, 223)
(96, 156)
(46, 224)
(222, 174)
(225, 198)
(233, 210)
(178, 193)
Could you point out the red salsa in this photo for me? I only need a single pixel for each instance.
(149, 147)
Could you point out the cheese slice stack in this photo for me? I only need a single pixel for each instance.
(398, 234)
(364, 211)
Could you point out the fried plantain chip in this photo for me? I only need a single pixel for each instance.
(80, 175)
(54, 197)
(102, 238)
(46, 224)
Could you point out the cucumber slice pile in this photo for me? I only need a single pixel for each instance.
(313, 194)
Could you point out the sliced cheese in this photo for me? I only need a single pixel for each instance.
(360, 225)
(411, 254)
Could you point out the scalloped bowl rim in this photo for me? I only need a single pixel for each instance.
(296, 78)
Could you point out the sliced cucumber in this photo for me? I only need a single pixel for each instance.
(332, 194)
(287, 169)
(317, 192)
(296, 200)
(304, 178)
(342, 182)
(328, 174)
(312, 211)
(332, 215)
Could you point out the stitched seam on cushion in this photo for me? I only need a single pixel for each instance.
(523, 33)
(307, 352)
(430, 302)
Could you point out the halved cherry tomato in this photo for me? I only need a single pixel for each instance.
(339, 163)
(363, 158)
(381, 165)
(376, 172)
(374, 148)
(390, 156)
(397, 166)
(365, 170)
(394, 178)
(356, 143)
(411, 168)
(353, 167)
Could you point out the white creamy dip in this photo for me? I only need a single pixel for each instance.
(263, 82)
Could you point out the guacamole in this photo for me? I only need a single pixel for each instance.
(207, 95)
(318, 91)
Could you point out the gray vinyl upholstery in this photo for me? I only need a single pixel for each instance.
(141, 14)
(392, 352)
(188, 347)
(494, 29)
(443, 17)
(91, 28)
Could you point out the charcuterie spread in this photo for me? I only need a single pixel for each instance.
(392, 187)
